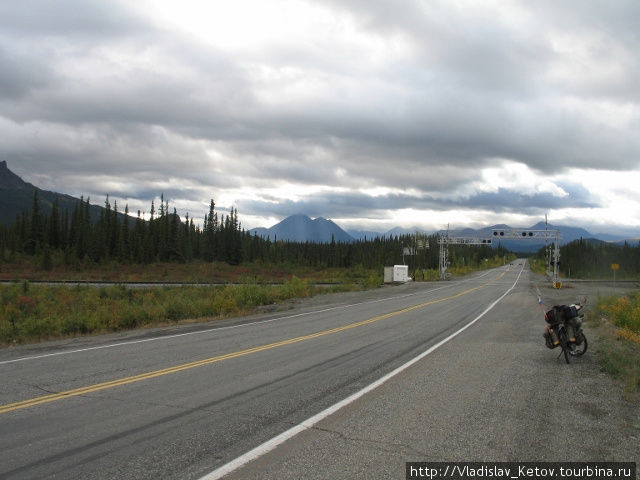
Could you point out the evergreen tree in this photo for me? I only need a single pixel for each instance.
(124, 239)
(210, 233)
(36, 230)
(54, 239)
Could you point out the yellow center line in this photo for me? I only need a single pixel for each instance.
(186, 366)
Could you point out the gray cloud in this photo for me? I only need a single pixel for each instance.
(505, 200)
(76, 18)
(356, 205)
(20, 75)
(96, 96)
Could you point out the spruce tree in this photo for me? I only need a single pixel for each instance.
(124, 240)
(36, 231)
(54, 225)
(210, 233)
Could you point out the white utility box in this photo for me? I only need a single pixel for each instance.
(396, 274)
(400, 273)
(388, 274)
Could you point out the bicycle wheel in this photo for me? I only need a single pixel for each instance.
(580, 349)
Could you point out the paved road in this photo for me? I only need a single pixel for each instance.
(180, 403)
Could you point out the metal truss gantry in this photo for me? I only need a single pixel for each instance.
(445, 240)
(511, 234)
(526, 234)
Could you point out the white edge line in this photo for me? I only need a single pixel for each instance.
(270, 445)
(218, 329)
(198, 332)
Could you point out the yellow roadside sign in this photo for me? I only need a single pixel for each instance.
(615, 266)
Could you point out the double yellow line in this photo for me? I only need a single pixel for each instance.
(186, 366)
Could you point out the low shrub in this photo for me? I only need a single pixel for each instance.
(624, 312)
(34, 312)
(619, 339)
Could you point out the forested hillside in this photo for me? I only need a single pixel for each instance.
(16, 196)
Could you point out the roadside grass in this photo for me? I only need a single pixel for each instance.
(24, 267)
(617, 323)
(538, 266)
(31, 313)
(623, 312)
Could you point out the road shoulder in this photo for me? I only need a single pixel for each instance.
(494, 393)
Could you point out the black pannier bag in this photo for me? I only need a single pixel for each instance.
(567, 314)
(569, 311)
(561, 313)
(554, 316)
(550, 317)
(572, 321)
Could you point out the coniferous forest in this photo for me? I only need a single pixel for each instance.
(121, 237)
(592, 259)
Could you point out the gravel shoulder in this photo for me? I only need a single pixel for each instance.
(495, 393)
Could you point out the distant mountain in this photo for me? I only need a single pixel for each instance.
(300, 228)
(567, 235)
(608, 237)
(260, 231)
(11, 181)
(632, 242)
(16, 196)
(394, 232)
(399, 231)
(364, 234)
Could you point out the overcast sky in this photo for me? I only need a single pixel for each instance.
(373, 113)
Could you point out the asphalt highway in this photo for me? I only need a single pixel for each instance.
(187, 402)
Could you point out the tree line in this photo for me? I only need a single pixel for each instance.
(118, 236)
(588, 258)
